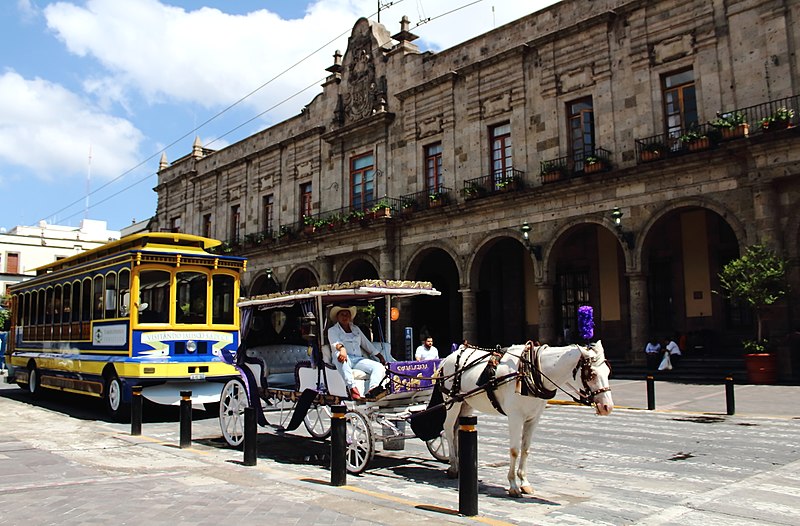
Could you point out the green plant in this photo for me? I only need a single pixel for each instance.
(551, 166)
(309, 220)
(435, 195)
(472, 189)
(5, 314)
(380, 205)
(729, 120)
(592, 160)
(692, 136)
(758, 279)
(781, 116)
(654, 147)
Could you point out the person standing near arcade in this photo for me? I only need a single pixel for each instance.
(426, 351)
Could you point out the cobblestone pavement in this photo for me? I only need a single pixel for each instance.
(686, 463)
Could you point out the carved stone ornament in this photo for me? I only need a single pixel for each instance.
(362, 88)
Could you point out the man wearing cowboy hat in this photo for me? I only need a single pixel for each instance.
(347, 341)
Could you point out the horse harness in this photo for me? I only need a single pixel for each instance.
(529, 377)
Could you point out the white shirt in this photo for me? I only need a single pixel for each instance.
(673, 348)
(652, 348)
(353, 341)
(426, 354)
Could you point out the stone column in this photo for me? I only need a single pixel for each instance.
(767, 224)
(640, 325)
(547, 314)
(325, 269)
(469, 315)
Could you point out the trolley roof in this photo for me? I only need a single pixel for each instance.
(149, 241)
(344, 292)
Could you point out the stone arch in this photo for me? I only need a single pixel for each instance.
(264, 282)
(697, 202)
(414, 260)
(482, 247)
(359, 266)
(439, 317)
(549, 249)
(301, 277)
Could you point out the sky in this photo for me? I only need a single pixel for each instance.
(92, 92)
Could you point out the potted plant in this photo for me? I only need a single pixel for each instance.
(756, 278)
(308, 224)
(653, 151)
(382, 208)
(695, 140)
(551, 171)
(508, 183)
(594, 164)
(731, 125)
(473, 190)
(434, 198)
(779, 120)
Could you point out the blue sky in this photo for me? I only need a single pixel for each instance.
(92, 91)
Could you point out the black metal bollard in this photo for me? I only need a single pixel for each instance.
(730, 403)
(186, 419)
(651, 393)
(468, 466)
(250, 437)
(338, 445)
(136, 410)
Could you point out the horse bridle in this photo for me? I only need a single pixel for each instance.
(586, 366)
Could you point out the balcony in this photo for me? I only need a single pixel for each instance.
(581, 163)
(503, 181)
(426, 200)
(761, 119)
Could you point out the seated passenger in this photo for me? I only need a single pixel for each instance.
(347, 343)
(427, 351)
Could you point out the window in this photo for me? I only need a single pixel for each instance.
(12, 263)
(235, 216)
(362, 181)
(86, 301)
(124, 292)
(110, 296)
(680, 102)
(580, 120)
(502, 164)
(267, 204)
(99, 304)
(192, 290)
(206, 226)
(305, 200)
(433, 167)
(223, 300)
(154, 296)
(175, 224)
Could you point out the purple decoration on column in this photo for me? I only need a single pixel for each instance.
(585, 322)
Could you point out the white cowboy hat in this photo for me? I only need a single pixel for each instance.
(335, 311)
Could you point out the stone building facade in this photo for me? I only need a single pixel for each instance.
(553, 162)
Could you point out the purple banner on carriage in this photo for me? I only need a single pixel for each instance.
(411, 376)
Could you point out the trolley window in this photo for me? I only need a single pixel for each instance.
(192, 297)
(154, 296)
(223, 299)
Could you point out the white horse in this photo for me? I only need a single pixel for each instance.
(525, 377)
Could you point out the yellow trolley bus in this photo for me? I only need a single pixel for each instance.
(155, 310)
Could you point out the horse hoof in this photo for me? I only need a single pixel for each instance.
(514, 493)
(527, 490)
(452, 474)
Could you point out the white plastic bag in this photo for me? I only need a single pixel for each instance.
(666, 364)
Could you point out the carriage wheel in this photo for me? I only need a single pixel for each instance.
(438, 448)
(318, 421)
(360, 444)
(231, 412)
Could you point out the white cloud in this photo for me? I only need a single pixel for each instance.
(48, 129)
(211, 58)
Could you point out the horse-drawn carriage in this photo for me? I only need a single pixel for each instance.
(287, 371)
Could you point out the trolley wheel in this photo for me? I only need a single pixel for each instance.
(232, 404)
(360, 444)
(33, 386)
(112, 396)
(318, 421)
(438, 448)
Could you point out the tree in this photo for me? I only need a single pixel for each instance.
(5, 314)
(758, 279)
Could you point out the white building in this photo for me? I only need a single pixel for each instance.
(25, 248)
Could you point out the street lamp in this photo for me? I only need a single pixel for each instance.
(627, 237)
(536, 250)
